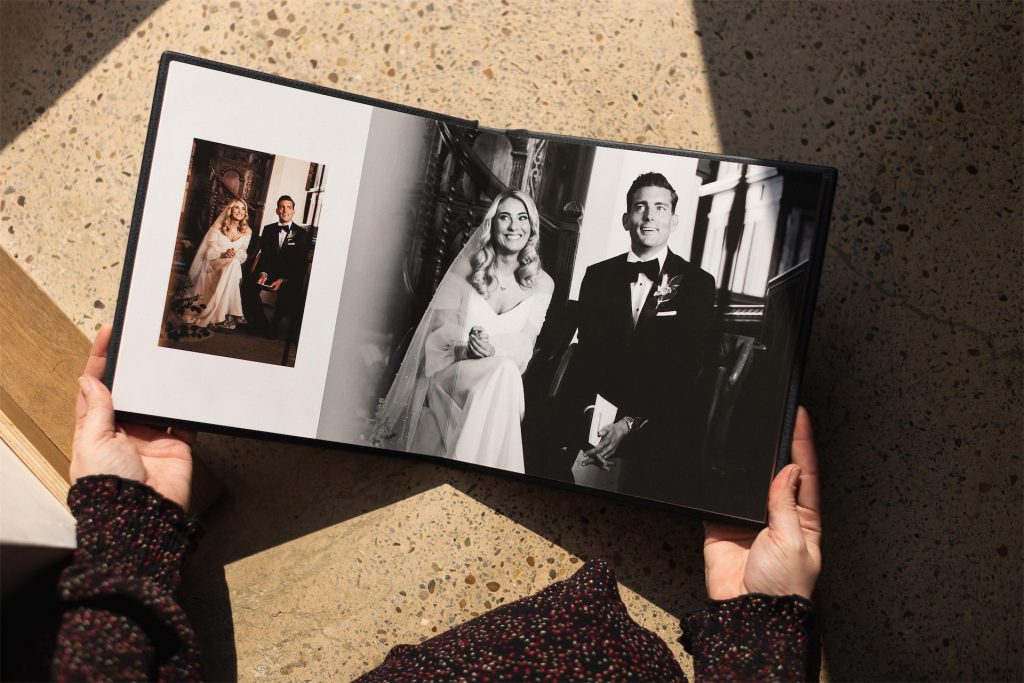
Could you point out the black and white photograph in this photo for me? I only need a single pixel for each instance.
(617, 319)
(671, 376)
(244, 249)
(468, 238)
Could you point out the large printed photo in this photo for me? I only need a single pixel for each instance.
(617, 319)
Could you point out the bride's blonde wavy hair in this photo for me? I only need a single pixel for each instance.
(483, 262)
(225, 214)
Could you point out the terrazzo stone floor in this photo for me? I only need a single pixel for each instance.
(318, 561)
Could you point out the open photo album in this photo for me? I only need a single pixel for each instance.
(310, 264)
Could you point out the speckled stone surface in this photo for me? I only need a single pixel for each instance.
(318, 561)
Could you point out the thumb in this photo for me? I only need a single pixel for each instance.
(782, 514)
(95, 419)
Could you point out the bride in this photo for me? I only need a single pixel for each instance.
(459, 392)
(216, 270)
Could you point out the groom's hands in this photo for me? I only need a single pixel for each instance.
(611, 437)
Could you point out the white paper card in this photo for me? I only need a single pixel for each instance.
(604, 414)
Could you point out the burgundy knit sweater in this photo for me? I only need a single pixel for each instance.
(120, 619)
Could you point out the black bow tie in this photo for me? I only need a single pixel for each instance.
(648, 268)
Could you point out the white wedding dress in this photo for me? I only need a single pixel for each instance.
(468, 410)
(473, 408)
(215, 279)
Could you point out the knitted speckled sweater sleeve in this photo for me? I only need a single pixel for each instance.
(579, 629)
(576, 629)
(120, 620)
(751, 638)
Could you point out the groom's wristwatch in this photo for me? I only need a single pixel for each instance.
(633, 423)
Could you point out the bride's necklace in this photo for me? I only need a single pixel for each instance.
(501, 285)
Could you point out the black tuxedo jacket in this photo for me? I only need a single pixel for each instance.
(286, 261)
(648, 370)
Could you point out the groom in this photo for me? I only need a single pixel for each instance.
(276, 262)
(643, 337)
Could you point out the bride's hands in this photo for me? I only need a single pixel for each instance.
(479, 345)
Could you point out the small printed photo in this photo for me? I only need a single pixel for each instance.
(244, 250)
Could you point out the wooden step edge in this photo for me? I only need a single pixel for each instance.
(40, 455)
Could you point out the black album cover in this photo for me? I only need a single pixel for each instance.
(625, 319)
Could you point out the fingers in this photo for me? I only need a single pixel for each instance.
(782, 513)
(598, 460)
(95, 421)
(98, 355)
(479, 335)
(474, 347)
(604, 450)
(803, 454)
(480, 349)
(598, 451)
(81, 408)
(186, 435)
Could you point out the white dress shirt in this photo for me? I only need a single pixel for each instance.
(282, 233)
(642, 287)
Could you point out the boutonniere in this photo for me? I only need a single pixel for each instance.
(666, 291)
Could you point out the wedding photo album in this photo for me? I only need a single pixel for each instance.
(313, 264)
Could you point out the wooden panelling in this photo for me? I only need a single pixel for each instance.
(40, 455)
(42, 354)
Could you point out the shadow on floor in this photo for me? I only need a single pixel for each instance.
(31, 33)
(918, 106)
(331, 486)
(909, 102)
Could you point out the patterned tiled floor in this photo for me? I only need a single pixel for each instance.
(318, 561)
